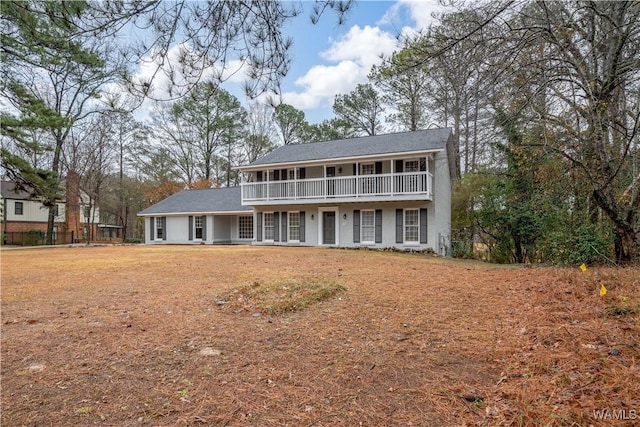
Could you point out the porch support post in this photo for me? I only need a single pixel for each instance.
(357, 179)
(325, 181)
(393, 176)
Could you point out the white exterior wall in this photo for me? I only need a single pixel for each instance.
(441, 215)
(32, 211)
(313, 224)
(220, 229)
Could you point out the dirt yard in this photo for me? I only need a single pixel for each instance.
(163, 336)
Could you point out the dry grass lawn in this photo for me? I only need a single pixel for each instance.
(249, 336)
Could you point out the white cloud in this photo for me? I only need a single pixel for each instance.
(322, 83)
(362, 45)
(419, 11)
(353, 54)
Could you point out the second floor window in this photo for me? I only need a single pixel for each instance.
(19, 208)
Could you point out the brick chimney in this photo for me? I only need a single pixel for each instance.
(72, 210)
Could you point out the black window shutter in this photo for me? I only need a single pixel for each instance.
(276, 226)
(204, 228)
(399, 233)
(283, 175)
(152, 227)
(276, 175)
(259, 176)
(355, 169)
(284, 227)
(190, 228)
(302, 173)
(378, 167)
(378, 225)
(423, 225)
(302, 226)
(399, 166)
(423, 164)
(356, 226)
(164, 228)
(259, 226)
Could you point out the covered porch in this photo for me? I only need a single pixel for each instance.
(349, 182)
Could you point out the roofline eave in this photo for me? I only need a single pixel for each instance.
(316, 162)
(196, 213)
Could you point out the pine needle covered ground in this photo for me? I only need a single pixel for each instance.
(270, 336)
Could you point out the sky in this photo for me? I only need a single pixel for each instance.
(330, 58)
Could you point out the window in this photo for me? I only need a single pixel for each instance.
(268, 226)
(368, 169)
(411, 166)
(292, 174)
(412, 226)
(19, 208)
(160, 228)
(411, 181)
(198, 226)
(367, 182)
(294, 226)
(245, 227)
(368, 224)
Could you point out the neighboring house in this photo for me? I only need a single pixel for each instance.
(213, 215)
(22, 213)
(380, 191)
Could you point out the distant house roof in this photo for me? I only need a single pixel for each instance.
(9, 191)
(416, 141)
(210, 200)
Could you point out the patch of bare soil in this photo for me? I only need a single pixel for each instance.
(128, 336)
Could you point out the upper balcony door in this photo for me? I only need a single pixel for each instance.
(330, 172)
(412, 181)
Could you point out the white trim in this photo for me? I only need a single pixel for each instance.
(321, 226)
(197, 213)
(336, 160)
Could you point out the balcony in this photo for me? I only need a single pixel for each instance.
(361, 188)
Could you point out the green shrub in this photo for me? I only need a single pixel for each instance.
(586, 246)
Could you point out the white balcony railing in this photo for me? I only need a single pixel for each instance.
(410, 183)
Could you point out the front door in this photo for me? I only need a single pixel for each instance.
(331, 183)
(329, 228)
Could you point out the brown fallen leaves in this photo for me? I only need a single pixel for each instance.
(181, 335)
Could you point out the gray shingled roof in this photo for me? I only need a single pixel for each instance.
(422, 140)
(210, 200)
(9, 191)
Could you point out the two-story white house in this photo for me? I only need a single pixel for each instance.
(22, 213)
(379, 191)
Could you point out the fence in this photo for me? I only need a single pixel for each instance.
(39, 238)
(34, 238)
